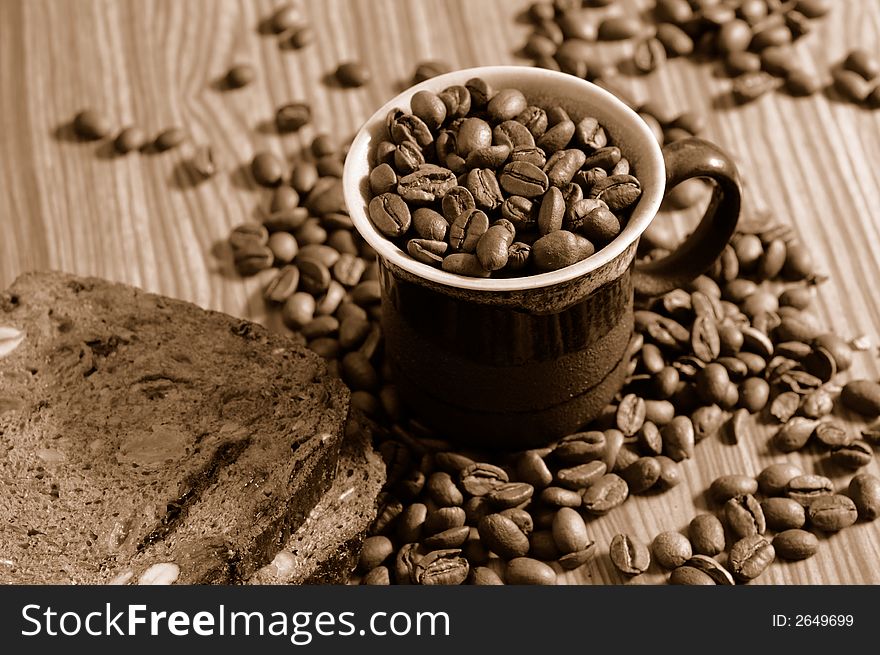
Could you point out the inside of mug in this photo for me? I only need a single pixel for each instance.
(580, 99)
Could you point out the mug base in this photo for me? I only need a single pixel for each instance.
(510, 430)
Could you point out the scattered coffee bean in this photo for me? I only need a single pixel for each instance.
(91, 125)
(169, 138)
(750, 556)
(832, 512)
(240, 76)
(129, 139)
(706, 535)
(352, 74)
(629, 556)
(671, 549)
(795, 544)
(864, 490)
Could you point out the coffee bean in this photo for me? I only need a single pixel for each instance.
(506, 104)
(427, 69)
(169, 138)
(671, 549)
(483, 576)
(751, 86)
(390, 214)
(465, 264)
(862, 396)
(832, 512)
(441, 567)
(727, 487)
(783, 513)
(618, 28)
(467, 230)
(707, 420)
(795, 544)
(642, 474)
(706, 534)
(629, 556)
(688, 575)
(444, 518)
(853, 456)
(850, 85)
(528, 571)
(503, 537)
(483, 185)
(744, 516)
(605, 494)
(678, 438)
(375, 551)
(240, 76)
(442, 490)
(581, 476)
(807, 488)
(298, 309)
(649, 55)
(794, 434)
(560, 249)
(129, 139)
(864, 490)
(480, 478)
(676, 41)
(510, 494)
(532, 469)
(352, 74)
(523, 179)
(90, 124)
(569, 531)
(750, 557)
(863, 63)
(556, 137)
(267, 169)
(560, 497)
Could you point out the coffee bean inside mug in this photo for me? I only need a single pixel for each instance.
(523, 188)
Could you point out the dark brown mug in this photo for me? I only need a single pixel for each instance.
(517, 362)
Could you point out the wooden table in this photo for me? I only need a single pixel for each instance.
(71, 205)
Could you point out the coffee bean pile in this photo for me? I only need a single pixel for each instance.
(480, 182)
(704, 360)
(751, 39)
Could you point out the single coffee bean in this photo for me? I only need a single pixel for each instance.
(863, 63)
(817, 404)
(591, 134)
(267, 169)
(854, 455)
(630, 414)
(832, 512)
(560, 497)
(783, 513)
(442, 490)
(430, 108)
(510, 494)
(707, 420)
(605, 494)
(552, 211)
(751, 86)
(649, 439)
(864, 490)
(629, 556)
(678, 438)
(744, 516)
(750, 557)
(467, 230)
(612, 442)
(480, 478)
(283, 285)
(240, 76)
(712, 382)
(380, 575)
(383, 179)
(784, 406)
(642, 474)
(569, 531)
(91, 125)
(671, 549)
(532, 469)
(528, 571)
(506, 104)
(129, 139)
(524, 179)
(483, 185)
(794, 434)
(706, 534)
(832, 434)
(442, 567)
(298, 309)
(727, 487)
(556, 137)
(503, 537)
(617, 191)
(466, 264)
(514, 135)
(352, 74)
(688, 575)
(618, 28)
(427, 69)
(283, 246)
(807, 488)
(850, 85)
(438, 520)
(572, 561)
(427, 251)
(456, 104)
(390, 214)
(560, 249)
(375, 551)
(252, 258)
(581, 476)
(407, 127)
(562, 166)
(169, 138)
(670, 473)
(795, 544)
(862, 396)
(451, 538)
(649, 55)
(676, 41)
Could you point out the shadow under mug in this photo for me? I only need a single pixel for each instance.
(518, 362)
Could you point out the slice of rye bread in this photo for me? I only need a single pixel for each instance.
(137, 430)
(326, 547)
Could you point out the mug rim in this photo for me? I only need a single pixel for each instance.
(357, 168)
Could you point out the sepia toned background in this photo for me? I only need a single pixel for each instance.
(141, 219)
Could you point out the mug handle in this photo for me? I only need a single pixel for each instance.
(685, 159)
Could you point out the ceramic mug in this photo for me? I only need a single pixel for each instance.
(517, 362)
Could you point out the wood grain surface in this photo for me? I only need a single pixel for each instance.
(141, 219)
